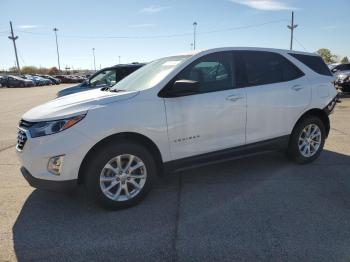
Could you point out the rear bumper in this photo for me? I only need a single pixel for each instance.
(330, 107)
(50, 185)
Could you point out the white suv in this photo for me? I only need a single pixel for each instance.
(178, 112)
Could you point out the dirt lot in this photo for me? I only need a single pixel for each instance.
(260, 208)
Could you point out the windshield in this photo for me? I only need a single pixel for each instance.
(107, 77)
(150, 74)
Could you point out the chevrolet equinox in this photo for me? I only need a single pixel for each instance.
(178, 112)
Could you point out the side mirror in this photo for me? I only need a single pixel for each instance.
(183, 88)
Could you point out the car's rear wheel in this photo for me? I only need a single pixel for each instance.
(120, 175)
(307, 140)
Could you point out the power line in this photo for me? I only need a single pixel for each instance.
(296, 40)
(160, 36)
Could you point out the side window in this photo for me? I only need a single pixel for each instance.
(290, 71)
(315, 63)
(262, 68)
(344, 67)
(124, 72)
(213, 72)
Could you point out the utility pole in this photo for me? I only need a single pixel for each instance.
(119, 59)
(292, 27)
(194, 35)
(58, 54)
(14, 38)
(93, 53)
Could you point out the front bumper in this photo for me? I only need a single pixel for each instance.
(50, 185)
(34, 154)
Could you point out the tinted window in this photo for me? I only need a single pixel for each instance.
(343, 67)
(213, 72)
(262, 68)
(315, 63)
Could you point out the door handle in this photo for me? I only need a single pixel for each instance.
(234, 98)
(297, 87)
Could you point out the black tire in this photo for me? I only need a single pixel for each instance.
(293, 148)
(346, 88)
(101, 157)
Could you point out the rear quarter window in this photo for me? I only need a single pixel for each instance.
(315, 63)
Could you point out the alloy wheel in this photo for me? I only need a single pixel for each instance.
(309, 140)
(123, 177)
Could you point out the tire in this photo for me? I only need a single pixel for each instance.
(22, 85)
(109, 155)
(346, 88)
(299, 153)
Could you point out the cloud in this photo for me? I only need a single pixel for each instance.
(153, 9)
(266, 5)
(27, 26)
(142, 25)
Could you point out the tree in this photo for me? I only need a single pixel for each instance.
(327, 56)
(53, 71)
(29, 70)
(345, 60)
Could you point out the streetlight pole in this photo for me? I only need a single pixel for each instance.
(14, 38)
(292, 27)
(93, 53)
(194, 35)
(58, 54)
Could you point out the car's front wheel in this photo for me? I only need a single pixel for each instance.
(307, 140)
(120, 175)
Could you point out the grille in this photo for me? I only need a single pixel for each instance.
(21, 140)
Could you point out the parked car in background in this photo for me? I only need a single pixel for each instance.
(343, 81)
(66, 79)
(336, 68)
(44, 81)
(30, 77)
(106, 77)
(54, 80)
(177, 112)
(1, 78)
(39, 81)
(16, 81)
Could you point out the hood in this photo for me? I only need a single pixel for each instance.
(71, 89)
(74, 104)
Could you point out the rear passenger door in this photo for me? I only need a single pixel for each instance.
(277, 93)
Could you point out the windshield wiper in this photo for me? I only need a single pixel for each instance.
(105, 88)
(109, 88)
(115, 90)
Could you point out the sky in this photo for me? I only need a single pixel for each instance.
(143, 30)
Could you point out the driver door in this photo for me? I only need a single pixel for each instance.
(212, 119)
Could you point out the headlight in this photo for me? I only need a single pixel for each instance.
(52, 127)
